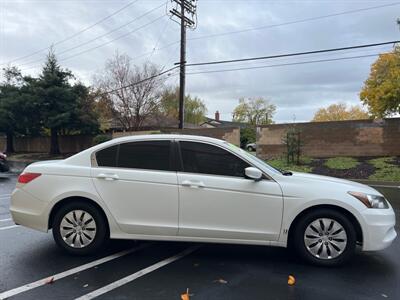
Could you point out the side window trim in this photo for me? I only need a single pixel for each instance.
(265, 176)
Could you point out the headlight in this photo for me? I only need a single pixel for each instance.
(371, 201)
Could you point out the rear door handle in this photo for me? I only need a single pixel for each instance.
(107, 176)
(193, 184)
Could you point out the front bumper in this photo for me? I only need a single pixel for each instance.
(29, 211)
(379, 228)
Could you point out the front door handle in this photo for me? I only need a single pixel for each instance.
(193, 184)
(107, 176)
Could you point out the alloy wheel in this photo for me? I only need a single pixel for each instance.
(78, 229)
(325, 238)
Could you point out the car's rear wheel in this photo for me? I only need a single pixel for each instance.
(250, 149)
(79, 228)
(325, 237)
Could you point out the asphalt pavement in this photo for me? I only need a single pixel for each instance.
(32, 267)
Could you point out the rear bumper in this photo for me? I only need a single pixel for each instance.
(27, 210)
(379, 231)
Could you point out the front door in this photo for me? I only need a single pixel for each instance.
(217, 201)
(137, 183)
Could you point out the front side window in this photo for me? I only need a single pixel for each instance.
(151, 155)
(208, 159)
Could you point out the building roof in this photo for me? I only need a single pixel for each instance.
(223, 124)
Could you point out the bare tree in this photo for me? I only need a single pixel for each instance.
(132, 100)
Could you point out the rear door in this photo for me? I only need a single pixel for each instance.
(137, 182)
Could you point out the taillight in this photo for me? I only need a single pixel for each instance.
(27, 177)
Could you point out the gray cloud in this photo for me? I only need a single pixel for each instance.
(26, 26)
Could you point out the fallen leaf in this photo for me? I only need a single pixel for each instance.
(384, 295)
(49, 280)
(221, 281)
(291, 280)
(185, 296)
(86, 285)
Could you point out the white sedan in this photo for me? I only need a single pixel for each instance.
(199, 189)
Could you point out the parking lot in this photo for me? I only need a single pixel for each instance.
(32, 267)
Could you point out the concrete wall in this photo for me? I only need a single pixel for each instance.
(341, 138)
(76, 143)
(229, 134)
(68, 144)
(128, 133)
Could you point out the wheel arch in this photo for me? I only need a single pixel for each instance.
(347, 213)
(62, 202)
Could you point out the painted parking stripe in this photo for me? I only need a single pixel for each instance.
(137, 275)
(9, 227)
(69, 272)
(5, 220)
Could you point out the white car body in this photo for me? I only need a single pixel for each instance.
(179, 206)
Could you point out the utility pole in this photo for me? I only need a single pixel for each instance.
(184, 13)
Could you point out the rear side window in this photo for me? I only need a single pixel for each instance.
(209, 159)
(151, 155)
(107, 157)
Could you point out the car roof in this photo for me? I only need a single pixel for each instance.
(164, 137)
(83, 158)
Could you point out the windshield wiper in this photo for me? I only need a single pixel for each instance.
(286, 173)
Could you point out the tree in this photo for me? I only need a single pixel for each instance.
(103, 109)
(255, 111)
(340, 112)
(63, 107)
(133, 98)
(195, 108)
(17, 114)
(381, 91)
(9, 93)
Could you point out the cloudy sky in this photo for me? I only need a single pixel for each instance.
(227, 29)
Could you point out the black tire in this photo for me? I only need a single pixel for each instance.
(250, 149)
(299, 240)
(100, 236)
(4, 166)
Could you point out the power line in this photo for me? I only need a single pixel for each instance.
(290, 54)
(106, 43)
(162, 47)
(295, 21)
(75, 34)
(284, 64)
(100, 36)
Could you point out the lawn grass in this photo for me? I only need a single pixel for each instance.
(384, 169)
(281, 163)
(341, 163)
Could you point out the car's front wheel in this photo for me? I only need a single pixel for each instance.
(79, 228)
(325, 237)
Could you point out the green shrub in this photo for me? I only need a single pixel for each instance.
(281, 163)
(341, 163)
(384, 169)
(101, 138)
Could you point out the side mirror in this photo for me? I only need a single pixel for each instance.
(253, 173)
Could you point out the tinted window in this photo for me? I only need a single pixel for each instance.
(107, 157)
(208, 159)
(153, 155)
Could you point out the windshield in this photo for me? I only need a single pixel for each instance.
(254, 158)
